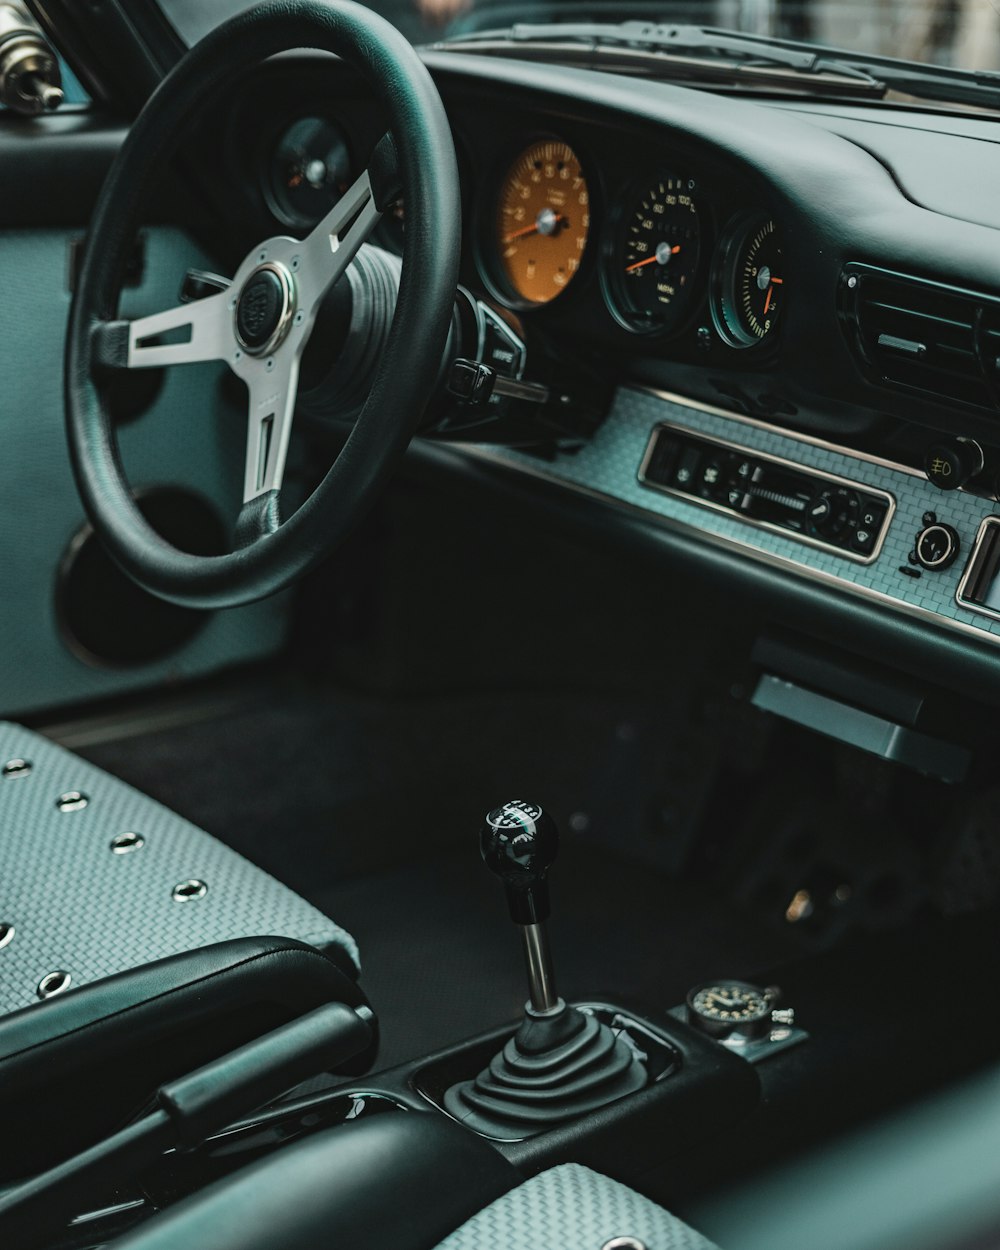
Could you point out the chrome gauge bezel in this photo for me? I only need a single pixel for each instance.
(486, 242)
(723, 279)
(611, 244)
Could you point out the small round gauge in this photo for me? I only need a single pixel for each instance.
(542, 221)
(653, 259)
(724, 1008)
(308, 171)
(748, 282)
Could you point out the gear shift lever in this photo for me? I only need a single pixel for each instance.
(519, 844)
(561, 1063)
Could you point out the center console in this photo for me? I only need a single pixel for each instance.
(613, 1085)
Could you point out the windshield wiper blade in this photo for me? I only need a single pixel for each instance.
(670, 50)
(711, 54)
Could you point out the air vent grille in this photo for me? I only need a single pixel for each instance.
(924, 336)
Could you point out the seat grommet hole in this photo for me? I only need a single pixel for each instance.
(53, 983)
(624, 1243)
(16, 768)
(123, 843)
(188, 891)
(6, 934)
(72, 801)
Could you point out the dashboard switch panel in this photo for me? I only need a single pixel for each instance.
(825, 511)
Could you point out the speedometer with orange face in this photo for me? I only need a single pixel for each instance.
(543, 219)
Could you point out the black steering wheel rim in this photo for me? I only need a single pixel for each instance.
(409, 365)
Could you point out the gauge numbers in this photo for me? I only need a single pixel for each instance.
(722, 1009)
(542, 221)
(654, 256)
(748, 284)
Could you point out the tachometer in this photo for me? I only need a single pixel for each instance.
(650, 277)
(748, 281)
(542, 221)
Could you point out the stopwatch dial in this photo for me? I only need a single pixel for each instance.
(724, 1008)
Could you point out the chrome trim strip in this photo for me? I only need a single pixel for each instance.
(683, 402)
(970, 605)
(117, 1208)
(820, 474)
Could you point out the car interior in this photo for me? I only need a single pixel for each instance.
(499, 659)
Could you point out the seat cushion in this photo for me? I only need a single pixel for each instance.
(391, 1182)
(572, 1208)
(81, 904)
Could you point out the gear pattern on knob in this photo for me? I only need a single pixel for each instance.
(514, 814)
(519, 844)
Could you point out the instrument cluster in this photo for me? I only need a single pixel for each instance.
(662, 250)
(606, 235)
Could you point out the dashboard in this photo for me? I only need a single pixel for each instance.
(763, 320)
(571, 226)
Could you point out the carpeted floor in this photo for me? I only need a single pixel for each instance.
(372, 811)
(442, 960)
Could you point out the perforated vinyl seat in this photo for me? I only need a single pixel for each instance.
(410, 1182)
(96, 878)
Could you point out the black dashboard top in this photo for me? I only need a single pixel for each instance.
(909, 192)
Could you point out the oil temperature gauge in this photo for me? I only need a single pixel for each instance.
(748, 281)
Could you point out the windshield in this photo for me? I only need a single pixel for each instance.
(963, 34)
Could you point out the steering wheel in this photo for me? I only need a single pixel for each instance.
(260, 325)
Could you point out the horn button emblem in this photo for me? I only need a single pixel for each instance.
(264, 309)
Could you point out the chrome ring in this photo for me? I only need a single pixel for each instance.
(53, 983)
(285, 316)
(6, 935)
(188, 891)
(123, 843)
(72, 801)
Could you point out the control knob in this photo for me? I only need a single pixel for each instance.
(937, 546)
(950, 462)
(832, 511)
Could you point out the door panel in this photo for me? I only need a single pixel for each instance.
(192, 432)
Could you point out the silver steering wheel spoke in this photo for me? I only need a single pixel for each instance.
(188, 334)
(272, 385)
(331, 246)
(261, 324)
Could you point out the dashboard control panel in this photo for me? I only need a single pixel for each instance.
(936, 554)
(768, 491)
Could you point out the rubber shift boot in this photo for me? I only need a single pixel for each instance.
(555, 1068)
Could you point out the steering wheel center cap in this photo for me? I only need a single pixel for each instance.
(265, 309)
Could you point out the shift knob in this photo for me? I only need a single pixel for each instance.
(519, 843)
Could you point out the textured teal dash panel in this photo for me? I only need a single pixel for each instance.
(609, 466)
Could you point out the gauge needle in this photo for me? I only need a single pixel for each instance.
(770, 291)
(651, 259)
(535, 226)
